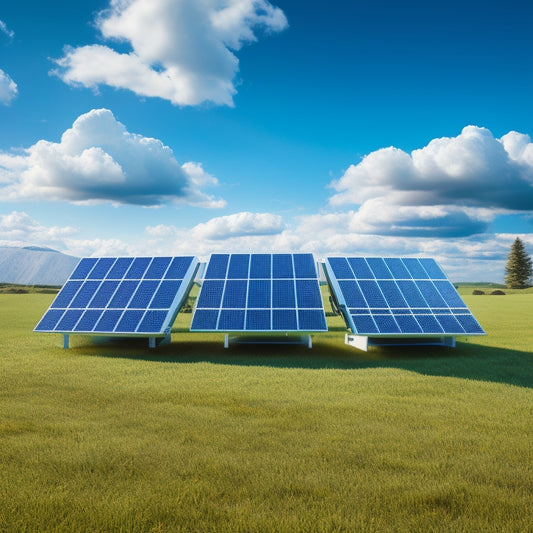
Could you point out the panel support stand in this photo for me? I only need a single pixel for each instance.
(357, 341)
(66, 341)
(309, 341)
(226, 341)
(151, 342)
(448, 341)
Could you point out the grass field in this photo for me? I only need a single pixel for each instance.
(112, 436)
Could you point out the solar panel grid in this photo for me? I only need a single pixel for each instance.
(269, 291)
(387, 296)
(120, 295)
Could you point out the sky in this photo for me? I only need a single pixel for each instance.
(170, 127)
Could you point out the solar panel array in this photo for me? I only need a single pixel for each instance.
(398, 297)
(121, 296)
(260, 292)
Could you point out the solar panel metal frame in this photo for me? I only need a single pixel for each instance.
(123, 271)
(215, 305)
(365, 314)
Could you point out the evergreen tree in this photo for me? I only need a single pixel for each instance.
(519, 266)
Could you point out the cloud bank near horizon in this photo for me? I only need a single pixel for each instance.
(451, 187)
(98, 161)
(181, 51)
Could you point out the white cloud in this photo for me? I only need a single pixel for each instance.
(18, 227)
(479, 258)
(239, 225)
(98, 160)
(8, 88)
(5, 30)
(456, 185)
(181, 51)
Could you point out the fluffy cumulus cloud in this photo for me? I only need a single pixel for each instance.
(8, 88)
(180, 50)
(98, 160)
(19, 228)
(451, 187)
(239, 225)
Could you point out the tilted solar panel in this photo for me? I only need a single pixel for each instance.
(398, 297)
(260, 292)
(121, 295)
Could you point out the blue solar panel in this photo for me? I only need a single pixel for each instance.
(308, 294)
(412, 295)
(238, 266)
(108, 320)
(360, 268)
(258, 320)
(217, 266)
(68, 292)
(372, 293)
(398, 296)
(85, 294)
(397, 268)
(143, 295)
(179, 267)
(433, 270)
(341, 268)
(50, 320)
(84, 268)
(101, 268)
(261, 266)
(104, 294)
(231, 319)
(416, 270)
(87, 321)
(129, 321)
(379, 268)
(284, 320)
(119, 269)
(283, 293)
(205, 319)
(282, 266)
(165, 294)
(158, 267)
(352, 294)
(69, 319)
(235, 294)
(311, 319)
(211, 294)
(260, 292)
(121, 295)
(304, 266)
(152, 321)
(138, 268)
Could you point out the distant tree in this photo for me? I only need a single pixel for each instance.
(519, 266)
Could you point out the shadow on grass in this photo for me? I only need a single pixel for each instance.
(467, 360)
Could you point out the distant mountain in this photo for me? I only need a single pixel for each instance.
(33, 265)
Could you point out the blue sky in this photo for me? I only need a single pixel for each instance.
(361, 128)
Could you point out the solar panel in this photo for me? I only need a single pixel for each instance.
(260, 293)
(121, 295)
(398, 297)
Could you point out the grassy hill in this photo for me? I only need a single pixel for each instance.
(111, 436)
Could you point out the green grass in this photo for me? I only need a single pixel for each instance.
(112, 436)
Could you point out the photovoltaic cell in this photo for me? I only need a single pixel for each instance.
(260, 292)
(121, 295)
(398, 296)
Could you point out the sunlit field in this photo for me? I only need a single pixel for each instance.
(112, 436)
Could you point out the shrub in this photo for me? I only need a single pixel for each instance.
(478, 291)
(498, 292)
